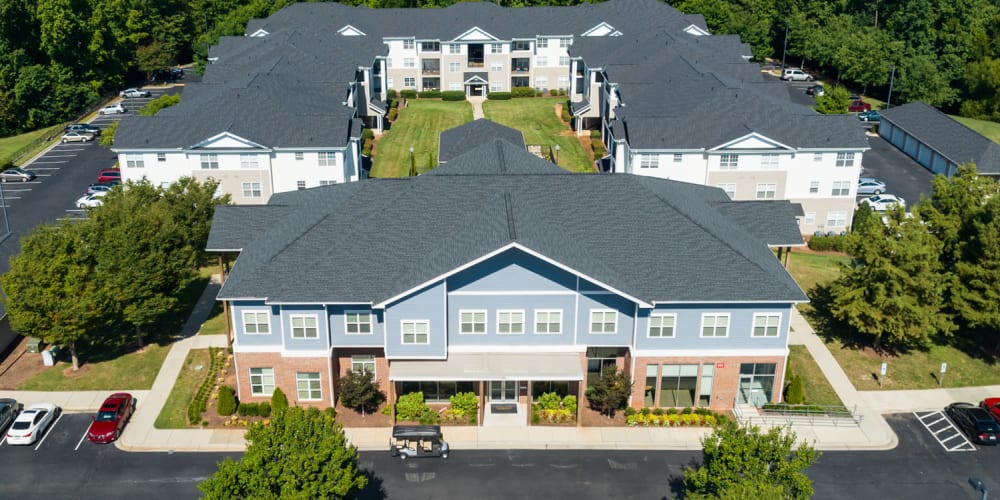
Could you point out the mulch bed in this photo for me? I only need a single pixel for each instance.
(350, 418)
(18, 366)
(591, 418)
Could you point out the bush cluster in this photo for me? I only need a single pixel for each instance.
(393, 103)
(410, 406)
(522, 92)
(278, 400)
(255, 409)
(598, 148)
(408, 94)
(826, 243)
(391, 93)
(566, 117)
(393, 114)
(499, 96)
(453, 95)
(199, 403)
(227, 401)
(795, 393)
(429, 94)
(553, 408)
(464, 405)
(672, 417)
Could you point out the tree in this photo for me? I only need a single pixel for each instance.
(300, 453)
(976, 289)
(609, 392)
(744, 462)
(956, 203)
(834, 101)
(795, 394)
(279, 402)
(53, 289)
(360, 392)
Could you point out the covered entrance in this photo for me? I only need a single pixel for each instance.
(475, 83)
(503, 391)
(756, 384)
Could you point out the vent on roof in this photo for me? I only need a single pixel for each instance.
(511, 231)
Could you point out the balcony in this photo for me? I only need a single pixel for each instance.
(430, 67)
(520, 65)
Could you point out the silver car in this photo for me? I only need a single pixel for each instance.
(16, 174)
(869, 185)
(9, 408)
(77, 137)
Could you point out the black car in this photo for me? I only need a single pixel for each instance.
(9, 409)
(84, 127)
(975, 422)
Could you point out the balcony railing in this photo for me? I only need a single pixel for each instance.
(476, 62)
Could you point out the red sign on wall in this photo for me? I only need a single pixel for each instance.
(720, 365)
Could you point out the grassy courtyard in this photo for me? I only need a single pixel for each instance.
(136, 370)
(536, 118)
(419, 126)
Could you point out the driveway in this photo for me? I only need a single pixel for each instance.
(902, 176)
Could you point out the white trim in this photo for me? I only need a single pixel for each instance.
(673, 328)
(753, 325)
(274, 349)
(291, 325)
(330, 375)
(512, 292)
(510, 323)
(256, 311)
(708, 354)
(426, 322)
(751, 135)
(374, 363)
(488, 349)
(576, 311)
(597, 292)
(371, 326)
(486, 34)
(693, 29)
(259, 33)
(701, 328)
(485, 314)
(224, 135)
(298, 396)
(305, 353)
(274, 381)
(490, 255)
(548, 311)
(412, 358)
(351, 31)
(789, 302)
(590, 321)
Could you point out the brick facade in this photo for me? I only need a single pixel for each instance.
(285, 369)
(725, 382)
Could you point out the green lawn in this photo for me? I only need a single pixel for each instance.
(174, 412)
(915, 370)
(818, 390)
(989, 129)
(810, 269)
(216, 322)
(537, 120)
(419, 126)
(135, 370)
(13, 144)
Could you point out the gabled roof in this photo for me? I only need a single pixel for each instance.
(463, 138)
(953, 140)
(653, 239)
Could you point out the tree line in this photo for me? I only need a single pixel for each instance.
(79, 281)
(922, 278)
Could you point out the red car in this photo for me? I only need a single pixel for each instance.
(858, 106)
(111, 418)
(109, 174)
(992, 405)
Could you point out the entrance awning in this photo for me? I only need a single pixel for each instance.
(483, 366)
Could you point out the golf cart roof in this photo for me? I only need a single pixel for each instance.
(416, 431)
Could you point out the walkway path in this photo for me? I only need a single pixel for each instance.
(477, 107)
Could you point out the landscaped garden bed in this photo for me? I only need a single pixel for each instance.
(672, 417)
(411, 409)
(552, 409)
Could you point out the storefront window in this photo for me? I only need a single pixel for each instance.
(436, 392)
(677, 385)
(649, 393)
(541, 387)
(705, 393)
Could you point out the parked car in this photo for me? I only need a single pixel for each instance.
(99, 187)
(31, 423)
(110, 420)
(868, 185)
(9, 408)
(108, 175)
(16, 174)
(134, 92)
(815, 90)
(113, 109)
(796, 75)
(992, 405)
(85, 128)
(167, 75)
(975, 422)
(77, 137)
(858, 105)
(869, 116)
(883, 202)
(91, 200)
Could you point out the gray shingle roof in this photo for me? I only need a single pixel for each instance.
(767, 220)
(463, 138)
(950, 138)
(654, 239)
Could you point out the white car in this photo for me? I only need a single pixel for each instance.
(796, 75)
(91, 200)
(883, 202)
(113, 109)
(134, 92)
(77, 137)
(31, 423)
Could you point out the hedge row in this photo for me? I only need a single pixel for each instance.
(826, 243)
(498, 96)
(198, 404)
(453, 95)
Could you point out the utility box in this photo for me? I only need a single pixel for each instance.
(49, 355)
(34, 344)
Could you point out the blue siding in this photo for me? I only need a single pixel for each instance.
(426, 304)
(623, 331)
(338, 332)
(242, 339)
(491, 304)
(321, 342)
(513, 270)
(687, 329)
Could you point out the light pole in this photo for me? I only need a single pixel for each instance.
(557, 154)
(413, 164)
(892, 79)
(784, 47)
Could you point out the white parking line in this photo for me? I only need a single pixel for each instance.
(84, 436)
(45, 168)
(57, 161)
(67, 147)
(49, 431)
(61, 156)
(950, 431)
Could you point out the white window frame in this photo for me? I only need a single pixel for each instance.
(548, 321)
(541, 61)
(161, 156)
(299, 156)
(817, 157)
(252, 190)
(564, 43)
(603, 321)
(542, 82)
(542, 43)
(767, 191)
(845, 159)
(510, 322)
(729, 161)
(766, 327)
(454, 67)
(454, 86)
(312, 382)
(496, 86)
(660, 328)
(300, 185)
(134, 160)
(305, 328)
(454, 48)
(409, 62)
(769, 160)
(814, 187)
(260, 388)
(248, 160)
(810, 218)
(475, 321)
(649, 160)
(836, 218)
(410, 82)
(496, 66)
(256, 321)
(364, 360)
(715, 325)
(496, 48)
(678, 157)
(409, 44)
(209, 161)
(354, 318)
(414, 323)
(841, 188)
(563, 60)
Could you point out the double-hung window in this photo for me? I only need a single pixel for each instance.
(305, 327)
(548, 321)
(358, 323)
(409, 44)
(210, 161)
(473, 322)
(416, 332)
(510, 322)
(714, 325)
(649, 160)
(134, 160)
(261, 381)
(328, 158)
(454, 48)
(565, 42)
(841, 188)
(845, 159)
(363, 363)
(256, 322)
(308, 386)
(603, 321)
(729, 188)
(454, 67)
(766, 191)
(496, 66)
(662, 325)
(729, 161)
(496, 48)
(248, 160)
(252, 190)
(766, 325)
(543, 43)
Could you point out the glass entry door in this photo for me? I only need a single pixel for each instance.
(503, 390)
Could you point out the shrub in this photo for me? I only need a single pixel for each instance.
(264, 409)
(687, 411)
(391, 93)
(825, 243)
(671, 411)
(453, 95)
(360, 392)
(367, 146)
(247, 409)
(408, 94)
(539, 93)
(522, 92)
(562, 92)
(549, 401)
(554, 92)
(428, 416)
(453, 416)
(227, 401)
(595, 134)
(598, 148)
(466, 402)
(658, 412)
(499, 96)
(566, 117)
(394, 103)
(367, 133)
(278, 400)
(429, 94)
(794, 393)
(164, 101)
(569, 402)
(393, 113)
(410, 406)
(629, 411)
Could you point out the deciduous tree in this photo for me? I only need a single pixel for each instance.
(609, 392)
(300, 453)
(360, 392)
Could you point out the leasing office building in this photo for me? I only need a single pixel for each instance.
(501, 274)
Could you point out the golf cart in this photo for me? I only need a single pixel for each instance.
(410, 441)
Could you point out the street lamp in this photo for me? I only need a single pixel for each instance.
(557, 154)
(413, 164)
(783, 49)
(892, 78)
